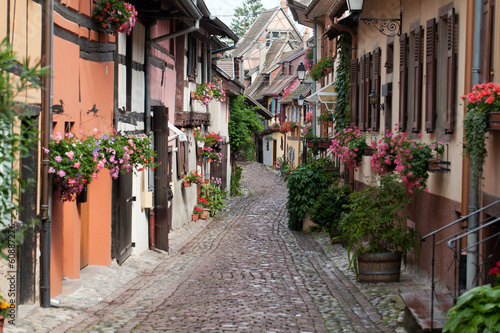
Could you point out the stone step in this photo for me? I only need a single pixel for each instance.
(417, 317)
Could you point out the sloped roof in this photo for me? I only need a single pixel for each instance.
(273, 55)
(255, 31)
(227, 65)
(279, 83)
(290, 56)
(252, 89)
(303, 88)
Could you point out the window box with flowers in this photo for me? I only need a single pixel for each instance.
(484, 100)
(208, 92)
(209, 139)
(115, 16)
(399, 154)
(349, 145)
(321, 68)
(286, 126)
(209, 153)
(75, 162)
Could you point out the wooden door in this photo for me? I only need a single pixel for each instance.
(84, 235)
(161, 177)
(122, 218)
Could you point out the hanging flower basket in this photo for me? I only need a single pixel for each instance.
(115, 16)
(207, 92)
(493, 121)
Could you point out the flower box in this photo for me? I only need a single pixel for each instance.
(493, 121)
(321, 144)
(436, 165)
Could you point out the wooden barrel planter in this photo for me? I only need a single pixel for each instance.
(379, 267)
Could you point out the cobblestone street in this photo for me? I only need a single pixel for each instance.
(243, 271)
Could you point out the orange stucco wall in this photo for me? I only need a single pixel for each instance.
(82, 86)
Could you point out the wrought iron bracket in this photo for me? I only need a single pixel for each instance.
(391, 25)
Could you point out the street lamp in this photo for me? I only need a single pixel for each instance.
(301, 72)
(393, 25)
(374, 100)
(300, 100)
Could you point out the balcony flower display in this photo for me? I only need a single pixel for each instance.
(207, 92)
(400, 154)
(319, 70)
(194, 177)
(115, 16)
(483, 100)
(349, 145)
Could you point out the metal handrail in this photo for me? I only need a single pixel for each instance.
(455, 238)
(460, 219)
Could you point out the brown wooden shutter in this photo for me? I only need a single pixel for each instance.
(417, 87)
(377, 55)
(403, 77)
(430, 76)
(366, 93)
(362, 86)
(353, 83)
(450, 82)
(486, 41)
(186, 156)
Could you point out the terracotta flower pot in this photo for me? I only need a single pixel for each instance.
(186, 183)
(204, 215)
(195, 217)
(209, 160)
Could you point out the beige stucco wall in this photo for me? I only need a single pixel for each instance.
(448, 185)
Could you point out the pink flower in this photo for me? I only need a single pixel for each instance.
(52, 170)
(58, 159)
(70, 154)
(61, 173)
(76, 165)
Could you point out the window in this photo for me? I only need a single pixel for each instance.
(192, 55)
(440, 59)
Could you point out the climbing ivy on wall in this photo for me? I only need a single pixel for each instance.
(341, 112)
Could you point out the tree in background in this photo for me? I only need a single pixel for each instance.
(245, 16)
(243, 124)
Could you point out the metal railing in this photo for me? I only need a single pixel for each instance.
(455, 244)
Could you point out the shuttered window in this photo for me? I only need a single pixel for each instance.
(430, 76)
(417, 79)
(403, 83)
(450, 69)
(182, 158)
(376, 62)
(486, 41)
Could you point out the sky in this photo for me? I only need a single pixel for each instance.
(224, 9)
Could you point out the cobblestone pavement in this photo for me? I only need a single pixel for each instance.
(243, 271)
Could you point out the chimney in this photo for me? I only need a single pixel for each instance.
(283, 4)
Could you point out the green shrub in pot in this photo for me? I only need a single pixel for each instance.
(374, 222)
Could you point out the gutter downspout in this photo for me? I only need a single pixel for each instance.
(313, 85)
(472, 254)
(45, 208)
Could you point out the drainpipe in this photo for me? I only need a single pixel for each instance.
(48, 34)
(147, 78)
(472, 239)
(313, 84)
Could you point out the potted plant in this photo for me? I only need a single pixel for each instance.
(320, 69)
(477, 310)
(4, 311)
(483, 101)
(213, 196)
(197, 211)
(115, 16)
(192, 177)
(349, 145)
(208, 92)
(286, 126)
(374, 229)
(326, 118)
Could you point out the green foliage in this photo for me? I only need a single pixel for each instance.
(245, 16)
(15, 144)
(478, 310)
(235, 180)
(304, 184)
(243, 123)
(319, 70)
(475, 148)
(325, 117)
(341, 84)
(328, 209)
(374, 222)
